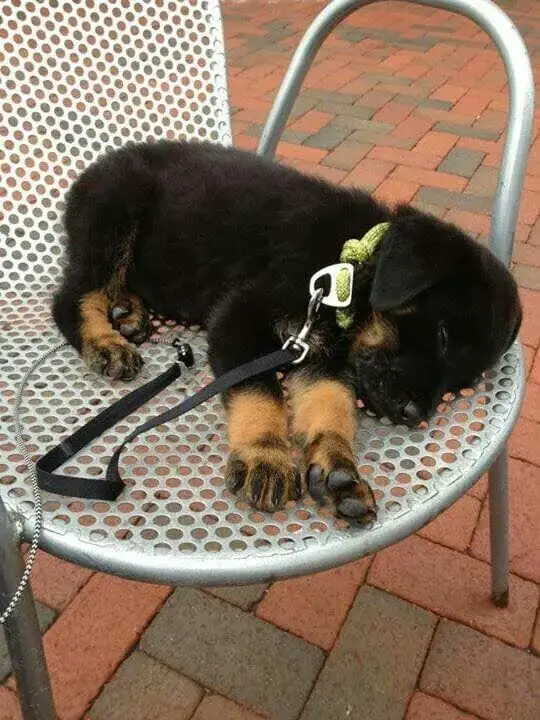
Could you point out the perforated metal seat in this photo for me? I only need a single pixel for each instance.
(177, 523)
(80, 78)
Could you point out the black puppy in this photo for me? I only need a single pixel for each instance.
(223, 238)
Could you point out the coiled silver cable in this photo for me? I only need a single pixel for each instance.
(165, 339)
(38, 507)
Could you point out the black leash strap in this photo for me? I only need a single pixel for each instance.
(112, 485)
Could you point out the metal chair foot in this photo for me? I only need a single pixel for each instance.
(22, 630)
(501, 598)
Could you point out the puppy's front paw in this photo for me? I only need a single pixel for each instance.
(263, 473)
(111, 356)
(332, 476)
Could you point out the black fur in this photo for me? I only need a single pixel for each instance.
(223, 238)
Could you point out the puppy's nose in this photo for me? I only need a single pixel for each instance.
(412, 414)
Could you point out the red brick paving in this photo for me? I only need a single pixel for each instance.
(429, 177)
(524, 441)
(535, 369)
(83, 654)
(455, 527)
(9, 705)
(431, 83)
(316, 606)
(531, 404)
(369, 173)
(524, 545)
(529, 353)
(436, 143)
(56, 582)
(393, 190)
(481, 675)
(426, 707)
(480, 489)
(454, 585)
(215, 707)
(530, 333)
(412, 158)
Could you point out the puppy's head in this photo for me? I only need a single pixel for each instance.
(444, 309)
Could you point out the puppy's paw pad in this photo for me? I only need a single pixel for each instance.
(112, 358)
(356, 509)
(266, 479)
(342, 479)
(131, 319)
(342, 486)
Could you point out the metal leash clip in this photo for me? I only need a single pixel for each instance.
(298, 342)
(338, 293)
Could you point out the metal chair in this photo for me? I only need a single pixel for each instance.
(82, 77)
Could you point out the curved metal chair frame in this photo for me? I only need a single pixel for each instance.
(79, 78)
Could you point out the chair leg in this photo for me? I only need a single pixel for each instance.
(22, 630)
(498, 528)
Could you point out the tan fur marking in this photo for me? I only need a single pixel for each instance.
(379, 332)
(95, 325)
(323, 406)
(253, 415)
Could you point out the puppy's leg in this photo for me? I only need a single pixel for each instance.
(104, 349)
(83, 316)
(324, 422)
(127, 312)
(94, 308)
(260, 466)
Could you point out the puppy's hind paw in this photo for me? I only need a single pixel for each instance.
(113, 357)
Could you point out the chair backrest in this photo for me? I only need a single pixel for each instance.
(79, 78)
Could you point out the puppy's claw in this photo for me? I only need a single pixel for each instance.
(266, 480)
(316, 484)
(118, 312)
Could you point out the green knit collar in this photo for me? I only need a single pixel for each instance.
(356, 251)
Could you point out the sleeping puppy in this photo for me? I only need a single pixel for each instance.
(219, 237)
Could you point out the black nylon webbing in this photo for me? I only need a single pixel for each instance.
(110, 487)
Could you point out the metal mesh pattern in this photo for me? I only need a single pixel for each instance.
(176, 503)
(82, 77)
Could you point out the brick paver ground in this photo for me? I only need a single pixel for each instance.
(410, 103)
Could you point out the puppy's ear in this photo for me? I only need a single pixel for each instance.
(404, 269)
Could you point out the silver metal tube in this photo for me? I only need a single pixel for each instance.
(22, 630)
(498, 528)
(520, 80)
